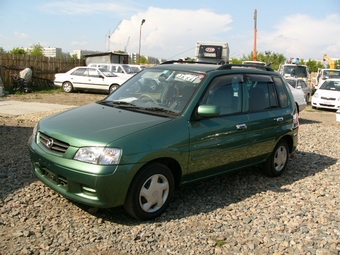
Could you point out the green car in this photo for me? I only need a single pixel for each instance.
(168, 125)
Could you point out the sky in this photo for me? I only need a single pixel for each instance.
(302, 29)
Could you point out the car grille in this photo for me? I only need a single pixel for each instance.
(328, 98)
(53, 144)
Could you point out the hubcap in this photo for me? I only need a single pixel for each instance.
(280, 158)
(154, 193)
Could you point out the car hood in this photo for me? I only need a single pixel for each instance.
(328, 93)
(95, 124)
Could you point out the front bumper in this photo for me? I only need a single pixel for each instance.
(97, 186)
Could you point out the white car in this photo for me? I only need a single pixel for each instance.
(122, 70)
(88, 79)
(327, 95)
(299, 98)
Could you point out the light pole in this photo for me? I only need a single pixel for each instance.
(140, 38)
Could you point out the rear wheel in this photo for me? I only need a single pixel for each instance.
(150, 192)
(67, 87)
(278, 160)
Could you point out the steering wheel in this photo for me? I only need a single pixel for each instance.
(148, 96)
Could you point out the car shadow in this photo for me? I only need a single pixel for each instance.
(15, 167)
(222, 191)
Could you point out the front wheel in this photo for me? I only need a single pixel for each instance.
(278, 160)
(67, 87)
(150, 192)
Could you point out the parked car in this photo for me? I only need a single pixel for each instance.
(298, 83)
(134, 148)
(88, 79)
(299, 98)
(122, 70)
(137, 68)
(327, 95)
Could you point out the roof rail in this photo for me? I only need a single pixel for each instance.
(254, 66)
(190, 62)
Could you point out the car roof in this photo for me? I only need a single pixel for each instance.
(209, 67)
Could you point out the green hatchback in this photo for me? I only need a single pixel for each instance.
(168, 125)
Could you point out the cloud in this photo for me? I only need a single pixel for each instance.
(304, 36)
(165, 37)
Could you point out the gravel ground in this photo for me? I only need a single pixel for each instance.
(237, 213)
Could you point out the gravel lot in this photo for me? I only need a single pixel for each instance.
(237, 213)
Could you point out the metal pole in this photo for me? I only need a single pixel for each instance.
(255, 35)
(140, 39)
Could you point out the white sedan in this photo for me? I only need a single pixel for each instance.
(327, 95)
(88, 79)
(299, 98)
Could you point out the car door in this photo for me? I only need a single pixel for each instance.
(219, 144)
(79, 77)
(96, 80)
(267, 113)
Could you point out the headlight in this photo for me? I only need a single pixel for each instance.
(316, 95)
(35, 130)
(99, 155)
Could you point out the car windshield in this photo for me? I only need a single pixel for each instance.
(107, 73)
(331, 85)
(156, 91)
(291, 82)
(128, 69)
(331, 74)
(295, 71)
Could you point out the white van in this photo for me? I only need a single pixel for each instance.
(119, 69)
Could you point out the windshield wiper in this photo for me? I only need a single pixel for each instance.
(118, 104)
(159, 109)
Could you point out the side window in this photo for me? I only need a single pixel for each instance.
(80, 72)
(225, 92)
(281, 91)
(93, 72)
(258, 95)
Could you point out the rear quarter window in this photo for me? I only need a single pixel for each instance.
(281, 91)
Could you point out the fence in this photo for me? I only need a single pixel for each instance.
(43, 68)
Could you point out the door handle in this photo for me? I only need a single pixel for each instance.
(279, 119)
(241, 126)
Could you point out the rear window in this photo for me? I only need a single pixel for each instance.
(281, 91)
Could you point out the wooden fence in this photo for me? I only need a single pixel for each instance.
(43, 68)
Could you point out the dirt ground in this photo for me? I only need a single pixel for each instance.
(327, 117)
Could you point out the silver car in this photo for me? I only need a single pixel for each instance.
(298, 83)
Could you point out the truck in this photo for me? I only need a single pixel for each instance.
(213, 52)
(292, 68)
(324, 74)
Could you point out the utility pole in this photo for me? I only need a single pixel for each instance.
(255, 34)
(140, 39)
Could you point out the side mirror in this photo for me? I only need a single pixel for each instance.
(208, 110)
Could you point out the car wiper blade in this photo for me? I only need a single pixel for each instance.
(159, 109)
(118, 104)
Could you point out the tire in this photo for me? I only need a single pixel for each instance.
(113, 87)
(67, 87)
(150, 192)
(277, 162)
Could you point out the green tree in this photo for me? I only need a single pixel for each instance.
(2, 50)
(272, 58)
(313, 65)
(37, 50)
(143, 60)
(18, 51)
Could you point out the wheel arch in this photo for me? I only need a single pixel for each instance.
(172, 164)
